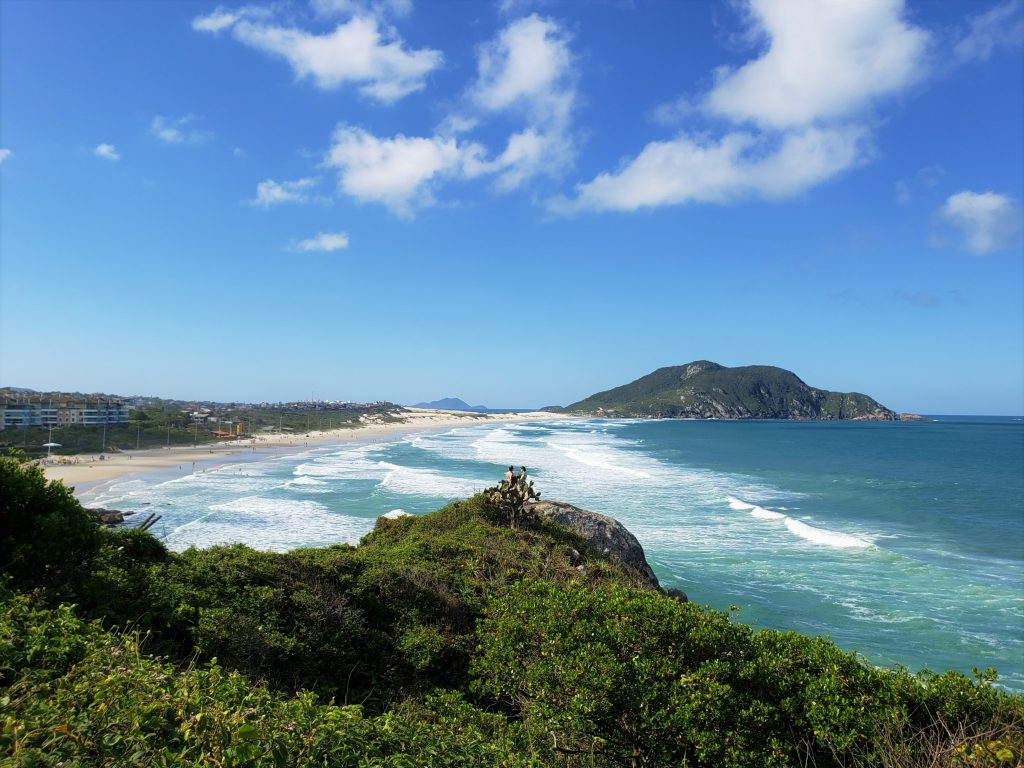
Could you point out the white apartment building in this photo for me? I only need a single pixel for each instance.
(15, 415)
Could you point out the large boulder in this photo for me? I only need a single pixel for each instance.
(108, 517)
(604, 534)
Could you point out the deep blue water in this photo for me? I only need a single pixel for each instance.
(903, 542)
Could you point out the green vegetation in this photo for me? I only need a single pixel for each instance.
(702, 389)
(443, 640)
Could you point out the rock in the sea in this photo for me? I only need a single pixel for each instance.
(107, 516)
(604, 534)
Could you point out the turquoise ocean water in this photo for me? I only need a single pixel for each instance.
(903, 542)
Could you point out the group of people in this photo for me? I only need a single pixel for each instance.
(514, 477)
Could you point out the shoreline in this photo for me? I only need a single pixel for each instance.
(88, 473)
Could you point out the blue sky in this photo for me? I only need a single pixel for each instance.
(517, 203)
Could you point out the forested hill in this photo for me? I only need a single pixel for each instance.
(706, 390)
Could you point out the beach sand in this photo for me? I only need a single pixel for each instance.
(85, 471)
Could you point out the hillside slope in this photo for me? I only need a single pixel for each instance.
(706, 390)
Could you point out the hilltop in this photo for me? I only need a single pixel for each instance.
(706, 390)
(451, 404)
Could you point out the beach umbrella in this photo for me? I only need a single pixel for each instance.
(48, 446)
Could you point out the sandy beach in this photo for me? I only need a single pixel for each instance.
(85, 471)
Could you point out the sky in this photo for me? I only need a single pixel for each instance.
(518, 203)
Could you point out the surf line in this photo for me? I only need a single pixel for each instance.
(799, 528)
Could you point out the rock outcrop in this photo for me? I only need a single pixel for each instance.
(109, 517)
(605, 535)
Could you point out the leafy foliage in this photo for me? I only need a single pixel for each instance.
(77, 695)
(442, 640)
(46, 538)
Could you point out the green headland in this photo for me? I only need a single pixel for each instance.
(706, 390)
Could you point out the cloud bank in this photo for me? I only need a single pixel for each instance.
(807, 95)
(524, 74)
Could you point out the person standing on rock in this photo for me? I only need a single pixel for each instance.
(509, 475)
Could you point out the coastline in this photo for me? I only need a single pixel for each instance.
(89, 471)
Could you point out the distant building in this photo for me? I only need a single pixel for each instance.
(15, 415)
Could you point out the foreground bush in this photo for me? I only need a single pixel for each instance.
(75, 694)
(46, 539)
(628, 677)
(441, 640)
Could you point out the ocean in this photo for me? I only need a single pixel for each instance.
(903, 542)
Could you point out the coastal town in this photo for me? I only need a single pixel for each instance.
(55, 423)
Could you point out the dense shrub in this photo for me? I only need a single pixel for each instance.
(275, 618)
(628, 677)
(441, 640)
(46, 539)
(77, 695)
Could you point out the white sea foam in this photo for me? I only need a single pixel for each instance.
(766, 514)
(826, 537)
(269, 524)
(427, 482)
(306, 484)
(738, 505)
(811, 533)
(593, 456)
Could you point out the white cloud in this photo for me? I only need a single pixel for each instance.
(219, 20)
(270, 192)
(526, 73)
(325, 241)
(1000, 27)
(175, 131)
(825, 60)
(739, 165)
(357, 51)
(528, 69)
(528, 154)
(4, 154)
(987, 221)
(223, 18)
(400, 172)
(107, 152)
(824, 64)
(517, 7)
(527, 64)
(397, 8)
